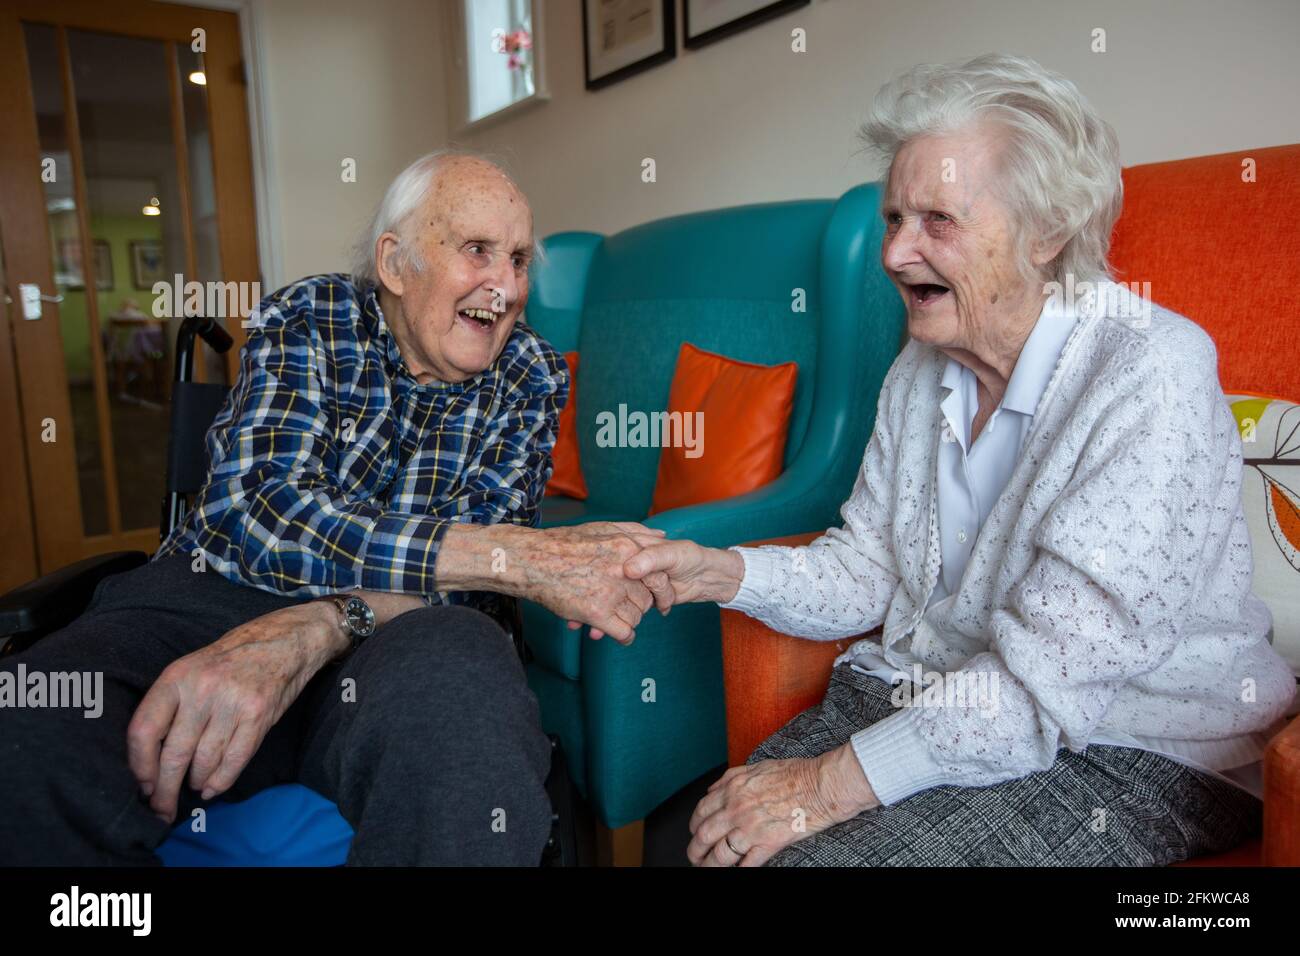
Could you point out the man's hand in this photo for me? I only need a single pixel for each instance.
(209, 711)
(577, 572)
(752, 812)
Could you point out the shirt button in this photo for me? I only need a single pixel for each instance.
(961, 536)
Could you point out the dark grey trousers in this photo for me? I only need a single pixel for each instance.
(1104, 806)
(441, 745)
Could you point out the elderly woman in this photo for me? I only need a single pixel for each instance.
(1047, 522)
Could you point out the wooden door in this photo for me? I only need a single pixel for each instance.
(125, 162)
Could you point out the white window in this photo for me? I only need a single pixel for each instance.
(501, 54)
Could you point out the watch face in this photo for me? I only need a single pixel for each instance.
(360, 618)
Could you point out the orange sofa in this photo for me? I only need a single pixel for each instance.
(1215, 236)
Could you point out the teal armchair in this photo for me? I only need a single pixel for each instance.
(640, 722)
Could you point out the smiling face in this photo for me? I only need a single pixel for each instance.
(949, 246)
(474, 235)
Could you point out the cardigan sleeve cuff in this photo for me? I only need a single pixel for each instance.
(755, 583)
(896, 758)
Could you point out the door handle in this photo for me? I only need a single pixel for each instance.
(32, 297)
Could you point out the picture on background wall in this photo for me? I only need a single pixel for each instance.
(706, 21)
(68, 273)
(104, 265)
(623, 37)
(147, 265)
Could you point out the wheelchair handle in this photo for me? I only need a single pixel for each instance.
(216, 337)
(205, 328)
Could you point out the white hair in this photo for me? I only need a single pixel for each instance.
(397, 209)
(1060, 160)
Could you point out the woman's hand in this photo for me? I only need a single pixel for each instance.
(694, 573)
(752, 812)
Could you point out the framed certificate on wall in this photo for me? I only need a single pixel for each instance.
(707, 21)
(624, 37)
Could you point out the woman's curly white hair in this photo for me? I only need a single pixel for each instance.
(1060, 163)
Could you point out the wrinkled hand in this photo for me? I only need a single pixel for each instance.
(692, 572)
(209, 711)
(577, 573)
(754, 811)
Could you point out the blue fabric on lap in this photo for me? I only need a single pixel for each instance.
(287, 825)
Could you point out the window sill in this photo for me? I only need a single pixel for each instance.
(506, 112)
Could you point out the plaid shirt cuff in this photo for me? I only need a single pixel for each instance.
(401, 553)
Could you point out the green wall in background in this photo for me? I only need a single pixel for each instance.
(118, 231)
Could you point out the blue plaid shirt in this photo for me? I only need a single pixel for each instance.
(330, 468)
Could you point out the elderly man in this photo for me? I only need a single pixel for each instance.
(375, 471)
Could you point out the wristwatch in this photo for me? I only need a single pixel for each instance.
(355, 617)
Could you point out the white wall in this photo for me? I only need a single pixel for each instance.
(747, 120)
(342, 78)
(744, 120)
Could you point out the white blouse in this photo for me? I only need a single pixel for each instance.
(971, 479)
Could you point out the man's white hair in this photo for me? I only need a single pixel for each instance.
(1060, 161)
(397, 209)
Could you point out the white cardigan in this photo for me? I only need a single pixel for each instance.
(1107, 598)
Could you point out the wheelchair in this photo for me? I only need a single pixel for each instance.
(286, 825)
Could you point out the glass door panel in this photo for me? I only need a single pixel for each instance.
(124, 122)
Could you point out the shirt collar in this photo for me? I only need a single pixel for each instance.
(951, 374)
(1038, 356)
(1036, 362)
(373, 317)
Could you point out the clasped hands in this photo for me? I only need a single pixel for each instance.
(645, 570)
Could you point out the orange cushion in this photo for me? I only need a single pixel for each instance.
(768, 677)
(567, 478)
(1222, 252)
(738, 435)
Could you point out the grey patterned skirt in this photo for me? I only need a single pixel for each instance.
(1106, 806)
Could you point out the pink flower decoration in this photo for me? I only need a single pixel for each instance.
(514, 43)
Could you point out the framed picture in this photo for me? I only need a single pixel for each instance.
(624, 37)
(147, 265)
(68, 273)
(707, 21)
(104, 265)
